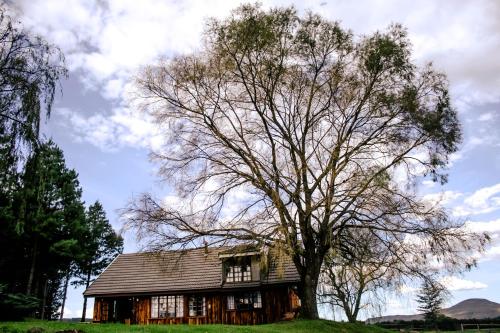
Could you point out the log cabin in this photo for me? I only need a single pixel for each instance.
(196, 286)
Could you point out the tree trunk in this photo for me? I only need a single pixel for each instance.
(84, 311)
(307, 293)
(64, 296)
(44, 302)
(32, 268)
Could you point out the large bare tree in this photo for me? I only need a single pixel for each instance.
(280, 127)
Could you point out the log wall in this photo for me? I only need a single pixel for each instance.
(276, 301)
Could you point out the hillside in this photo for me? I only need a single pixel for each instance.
(297, 326)
(472, 308)
(477, 308)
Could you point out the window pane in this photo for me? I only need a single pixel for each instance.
(170, 306)
(180, 306)
(230, 274)
(257, 300)
(230, 302)
(192, 306)
(154, 307)
(163, 307)
(197, 306)
(247, 273)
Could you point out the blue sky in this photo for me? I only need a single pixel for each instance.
(107, 141)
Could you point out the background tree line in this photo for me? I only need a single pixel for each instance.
(48, 238)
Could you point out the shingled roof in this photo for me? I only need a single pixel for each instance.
(176, 271)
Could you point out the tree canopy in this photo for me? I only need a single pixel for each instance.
(285, 130)
(102, 245)
(30, 69)
(44, 231)
(431, 297)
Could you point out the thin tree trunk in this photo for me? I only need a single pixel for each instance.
(64, 296)
(44, 302)
(32, 268)
(84, 311)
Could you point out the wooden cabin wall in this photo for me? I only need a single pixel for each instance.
(97, 310)
(142, 310)
(101, 310)
(214, 309)
(276, 301)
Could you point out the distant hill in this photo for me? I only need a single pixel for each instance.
(477, 308)
(472, 308)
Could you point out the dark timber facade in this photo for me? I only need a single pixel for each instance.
(198, 286)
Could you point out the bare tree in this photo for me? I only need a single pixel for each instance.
(365, 263)
(359, 268)
(281, 126)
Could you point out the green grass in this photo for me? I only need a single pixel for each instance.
(298, 326)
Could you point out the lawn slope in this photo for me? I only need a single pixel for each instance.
(298, 326)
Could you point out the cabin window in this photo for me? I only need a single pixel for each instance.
(244, 301)
(230, 302)
(197, 306)
(239, 269)
(167, 306)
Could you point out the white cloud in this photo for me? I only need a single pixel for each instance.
(454, 284)
(405, 289)
(493, 253)
(442, 198)
(109, 40)
(123, 128)
(486, 117)
(482, 201)
(482, 198)
(492, 227)
(108, 37)
(428, 183)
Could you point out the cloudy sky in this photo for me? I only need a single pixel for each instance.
(107, 142)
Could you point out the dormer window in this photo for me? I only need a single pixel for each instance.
(238, 269)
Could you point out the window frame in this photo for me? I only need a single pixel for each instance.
(158, 301)
(252, 300)
(238, 270)
(201, 305)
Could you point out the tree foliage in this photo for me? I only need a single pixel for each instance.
(102, 245)
(431, 297)
(52, 221)
(310, 128)
(46, 237)
(30, 69)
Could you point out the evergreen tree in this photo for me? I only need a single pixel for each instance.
(431, 298)
(102, 245)
(29, 71)
(51, 223)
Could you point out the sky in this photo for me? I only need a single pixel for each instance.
(107, 141)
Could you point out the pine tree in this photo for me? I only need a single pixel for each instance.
(102, 245)
(431, 298)
(50, 224)
(30, 69)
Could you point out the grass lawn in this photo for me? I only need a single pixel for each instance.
(298, 326)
